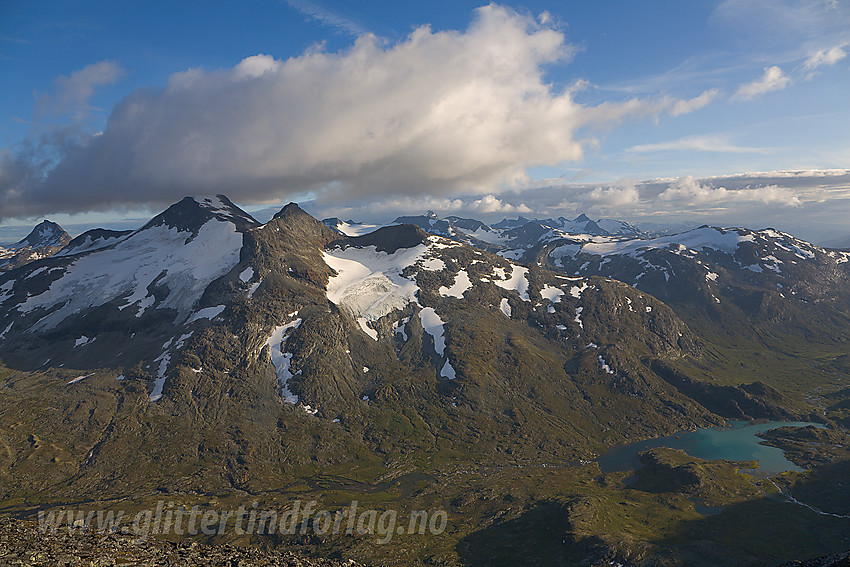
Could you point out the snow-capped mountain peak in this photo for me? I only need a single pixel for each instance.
(156, 267)
(45, 233)
(191, 213)
(43, 241)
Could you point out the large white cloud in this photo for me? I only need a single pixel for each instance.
(436, 113)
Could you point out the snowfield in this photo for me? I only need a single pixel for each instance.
(369, 283)
(158, 253)
(697, 239)
(357, 229)
(91, 244)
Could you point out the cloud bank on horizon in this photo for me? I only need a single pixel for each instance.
(732, 197)
(437, 113)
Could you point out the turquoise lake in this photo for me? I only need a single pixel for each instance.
(735, 443)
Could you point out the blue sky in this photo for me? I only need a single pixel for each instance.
(114, 109)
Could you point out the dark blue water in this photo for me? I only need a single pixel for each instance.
(735, 443)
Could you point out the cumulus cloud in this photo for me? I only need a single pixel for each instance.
(450, 112)
(689, 190)
(623, 193)
(492, 204)
(774, 79)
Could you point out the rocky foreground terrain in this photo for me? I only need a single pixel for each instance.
(22, 543)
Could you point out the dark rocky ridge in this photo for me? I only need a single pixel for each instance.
(93, 239)
(387, 239)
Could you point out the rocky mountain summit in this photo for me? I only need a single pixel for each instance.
(45, 240)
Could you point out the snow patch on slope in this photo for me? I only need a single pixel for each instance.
(576, 291)
(280, 359)
(206, 313)
(448, 371)
(399, 328)
(79, 378)
(6, 290)
(459, 287)
(433, 265)
(163, 360)
(364, 324)
(553, 294)
(517, 281)
(505, 306)
(433, 325)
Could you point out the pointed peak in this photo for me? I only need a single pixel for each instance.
(45, 233)
(299, 224)
(48, 223)
(215, 203)
(431, 215)
(191, 213)
(582, 218)
(291, 210)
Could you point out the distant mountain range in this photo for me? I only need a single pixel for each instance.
(434, 362)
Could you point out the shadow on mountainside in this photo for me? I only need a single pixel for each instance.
(534, 538)
(766, 531)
